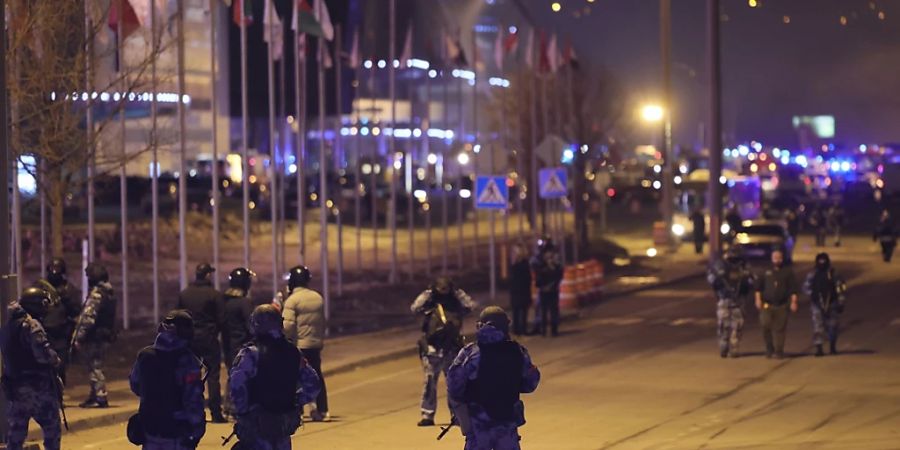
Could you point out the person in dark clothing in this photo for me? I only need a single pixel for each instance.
(818, 222)
(733, 219)
(548, 274)
(59, 323)
(835, 221)
(207, 307)
(826, 290)
(793, 223)
(699, 223)
(519, 289)
(775, 295)
(237, 309)
(886, 235)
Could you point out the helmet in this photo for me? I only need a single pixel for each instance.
(204, 269)
(823, 261)
(442, 285)
(241, 278)
(265, 319)
(494, 316)
(96, 273)
(35, 301)
(298, 276)
(56, 272)
(545, 244)
(180, 322)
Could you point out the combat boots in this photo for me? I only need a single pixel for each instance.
(819, 351)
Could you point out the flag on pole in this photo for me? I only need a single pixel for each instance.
(324, 57)
(324, 19)
(553, 54)
(273, 30)
(301, 47)
(511, 43)
(529, 50)
(130, 20)
(544, 60)
(406, 54)
(142, 11)
(455, 54)
(304, 20)
(354, 59)
(247, 7)
(569, 56)
(498, 49)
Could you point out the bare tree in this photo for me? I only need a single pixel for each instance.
(53, 46)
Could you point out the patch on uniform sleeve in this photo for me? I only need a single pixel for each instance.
(192, 377)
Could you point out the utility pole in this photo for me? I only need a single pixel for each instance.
(5, 238)
(714, 119)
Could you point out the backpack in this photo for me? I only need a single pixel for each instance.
(443, 328)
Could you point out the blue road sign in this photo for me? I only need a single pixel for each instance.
(553, 183)
(491, 192)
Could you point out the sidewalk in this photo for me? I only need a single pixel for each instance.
(347, 353)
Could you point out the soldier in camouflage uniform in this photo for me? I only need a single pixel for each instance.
(269, 383)
(29, 372)
(63, 313)
(825, 289)
(732, 283)
(96, 331)
(166, 376)
(485, 380)
(443, 307)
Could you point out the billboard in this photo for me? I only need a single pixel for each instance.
(822, 127)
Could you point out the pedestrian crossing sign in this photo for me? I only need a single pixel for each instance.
(552, 182)
(491, 192)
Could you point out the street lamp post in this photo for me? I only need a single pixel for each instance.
(668, 188)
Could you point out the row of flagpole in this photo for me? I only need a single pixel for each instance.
(300, 157)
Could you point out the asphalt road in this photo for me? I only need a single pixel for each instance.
(644, 372)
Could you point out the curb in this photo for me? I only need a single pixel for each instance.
(121, 414)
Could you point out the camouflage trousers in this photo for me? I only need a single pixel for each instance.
(33, 401)
(159, 443)
(489, 435)
(433, 364)
(730, 320)
(93, 354)
(825, 325)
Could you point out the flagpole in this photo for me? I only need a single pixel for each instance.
(476, 136)
(323, 179)
(300, 111)
(408, 171)
(503, 136)
(182, 143)
(357, 180)
(338, 148)
(269, 29)
(245, 156)
(282, 146)
(535, 182)
(89, 127)
(213, 17)
(154, 167)
(43, 206)
(373, 181)
(392, 93)
(578, 203)
(426, 150)
(123, 181)
(445, 194)
(521, 179)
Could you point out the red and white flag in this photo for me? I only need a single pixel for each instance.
(353, 60)
(529, 49)
(498, 49)
(406, 54)
(273, 30)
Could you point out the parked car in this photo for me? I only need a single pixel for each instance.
(757, 239)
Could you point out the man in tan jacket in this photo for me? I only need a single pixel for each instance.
(304, 325)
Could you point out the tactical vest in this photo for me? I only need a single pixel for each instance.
(161, 396)
(18, 358)
(499, 380)
(105, 327)
(56, 316)
(274, 387)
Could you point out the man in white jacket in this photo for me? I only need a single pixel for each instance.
(304, 325)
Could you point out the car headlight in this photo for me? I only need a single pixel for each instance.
(725, 228)
(678, 229)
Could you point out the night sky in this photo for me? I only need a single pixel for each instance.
(772, 70)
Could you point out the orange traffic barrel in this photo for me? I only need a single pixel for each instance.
(567, 294)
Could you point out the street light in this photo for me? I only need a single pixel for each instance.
(652, 113)
(462, 159)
